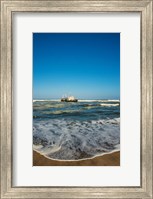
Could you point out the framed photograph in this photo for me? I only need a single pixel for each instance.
(76, 99)
(70, 130)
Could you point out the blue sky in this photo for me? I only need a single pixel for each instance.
(86, 65)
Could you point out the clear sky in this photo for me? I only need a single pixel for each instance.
(85, 65)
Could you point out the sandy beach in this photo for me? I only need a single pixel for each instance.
(112, 159)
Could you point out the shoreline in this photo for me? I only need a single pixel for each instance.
(115, 150)
(109, 159)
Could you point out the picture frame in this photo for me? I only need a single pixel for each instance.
(7, 9)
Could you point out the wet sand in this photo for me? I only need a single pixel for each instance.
(112, 159)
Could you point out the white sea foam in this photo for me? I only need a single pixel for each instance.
(114, 100)
(45, 100)
(109, 105)
(72, 140)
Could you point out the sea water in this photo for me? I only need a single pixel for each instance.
(76, 130)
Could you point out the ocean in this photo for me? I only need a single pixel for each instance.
(76, 130)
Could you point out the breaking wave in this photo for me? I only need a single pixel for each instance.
(75, 140)
(109, 105)
(77, 130)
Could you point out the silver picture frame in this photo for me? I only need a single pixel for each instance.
(8, 8)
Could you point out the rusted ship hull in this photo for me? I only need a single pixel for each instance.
(68, 100)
